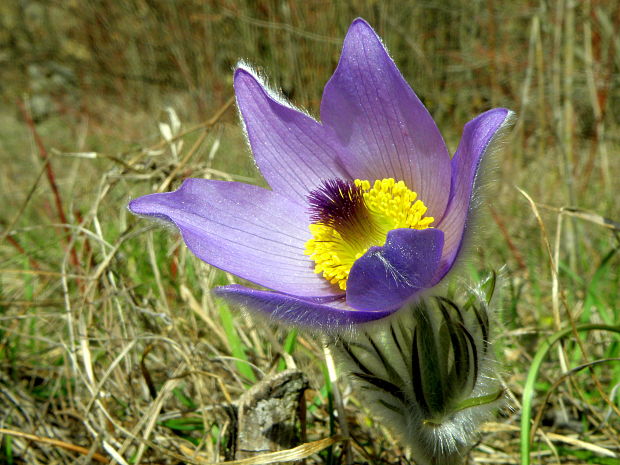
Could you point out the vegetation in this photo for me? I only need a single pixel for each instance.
(112, 346)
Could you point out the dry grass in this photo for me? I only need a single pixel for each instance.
(112, 348)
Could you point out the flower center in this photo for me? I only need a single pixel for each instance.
(349, 217)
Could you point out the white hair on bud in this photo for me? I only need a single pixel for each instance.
(383, 363)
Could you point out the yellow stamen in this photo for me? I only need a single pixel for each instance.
(337, 243)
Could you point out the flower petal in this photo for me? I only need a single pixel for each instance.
(477, 139)
(386, 277)
(293, 151)
(252, 232)
(383, 123)
(292, 310)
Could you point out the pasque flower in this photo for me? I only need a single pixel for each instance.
(366, 208)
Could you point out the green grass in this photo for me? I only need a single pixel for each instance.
(237, 347)
(529, 388)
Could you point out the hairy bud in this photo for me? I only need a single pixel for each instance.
(429, 374)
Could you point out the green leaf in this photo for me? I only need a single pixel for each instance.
(236, 345)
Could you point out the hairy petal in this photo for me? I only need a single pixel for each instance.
(388, 130)
(478, 136)
(293, 151)
(384, 278)
(252, 232)
(285, 308)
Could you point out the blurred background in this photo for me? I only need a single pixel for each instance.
(109, 337)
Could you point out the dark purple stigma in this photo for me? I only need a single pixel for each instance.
(337, 203)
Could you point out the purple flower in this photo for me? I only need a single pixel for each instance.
(366, 209)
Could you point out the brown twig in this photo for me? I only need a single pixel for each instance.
(33, 263)
(55, 442)
(51, 177)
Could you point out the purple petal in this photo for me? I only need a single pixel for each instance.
(384, 278)
(293, 152)
(252, 232)
(478, 136)
(292, 310)
(383, 123)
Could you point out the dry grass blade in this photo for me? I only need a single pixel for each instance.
(501, 427)
(45, 273)
(15, 219)
(591, 217)
(289, 455)
(554, 263)
(538, 418)
(541, 223)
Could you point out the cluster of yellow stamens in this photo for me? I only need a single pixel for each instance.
(350, 217)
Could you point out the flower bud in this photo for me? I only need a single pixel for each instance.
(429, 374)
